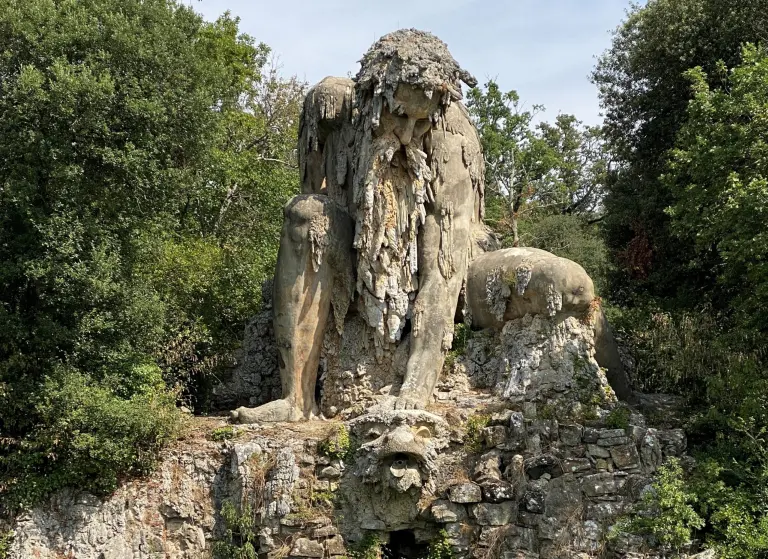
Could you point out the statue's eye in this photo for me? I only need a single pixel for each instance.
(400, 460)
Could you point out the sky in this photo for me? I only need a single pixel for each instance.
(544, 49)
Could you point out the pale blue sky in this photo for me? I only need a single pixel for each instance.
(545, 49)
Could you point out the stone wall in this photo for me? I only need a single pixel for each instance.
(542, 470)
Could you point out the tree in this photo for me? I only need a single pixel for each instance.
(144, 158)
(645, 94)
(505, 134)
(718, 178)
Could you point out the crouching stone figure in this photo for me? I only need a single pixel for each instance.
(392, 199)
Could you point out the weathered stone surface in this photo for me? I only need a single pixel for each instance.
(563, 497)
(488, 467)
(673, 442)
(495, 435)
(598, 451)
(651, 453)
(533, 500)
(496, 491)
(465, 493)
(335, 547)
(304, 547)
(597, 485)
(571, 434)
(446, 511)
(488, 514)
(625, 457)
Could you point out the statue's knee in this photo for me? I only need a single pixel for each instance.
(305, 212)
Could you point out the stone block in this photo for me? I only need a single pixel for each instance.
(625, 456)
(465, 493)
(533, 501)
(329, 472)
(496, 491)
(577, 465)
(598, 451)
(563, 498)
(335, 546)
(571, 434)
(444, 512)
(490, 514)
(495, 435)
(488, 467)
(304, 547)
(604, 483)
(590, 435)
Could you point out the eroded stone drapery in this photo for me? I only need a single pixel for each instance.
(393, 183)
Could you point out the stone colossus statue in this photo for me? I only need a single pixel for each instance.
(392, 188)
(389, 219)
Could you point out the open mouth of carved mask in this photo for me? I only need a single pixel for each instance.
(403, 472)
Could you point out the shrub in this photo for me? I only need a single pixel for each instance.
(240, 538)
(337, 445)
(440, 548)
(618, 418)
(473, 440)
(88, 438)
(666, 512)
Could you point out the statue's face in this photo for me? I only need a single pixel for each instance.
(409, 117)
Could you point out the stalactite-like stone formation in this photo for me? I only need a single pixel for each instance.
(393, 184)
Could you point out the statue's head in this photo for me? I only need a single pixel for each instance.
(403, 93)
(409, 77)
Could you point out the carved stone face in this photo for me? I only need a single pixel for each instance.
(409, 115)
(395, 466)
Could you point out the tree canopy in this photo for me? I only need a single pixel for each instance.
(145, 155)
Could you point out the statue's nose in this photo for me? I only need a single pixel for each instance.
(405, 131)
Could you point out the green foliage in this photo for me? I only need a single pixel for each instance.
(370, 547)
(145, 156)
(666, 512)
(573, 237)
(6, 539)
(240, 538)
(87, 437)
(544, 182)
(440, 548)
(473, 440)
(618, 418)
(719, 180)
(338, 443)
(645, 95)
(224, 433)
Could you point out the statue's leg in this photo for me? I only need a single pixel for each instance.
(439, 289)
(314, 228)
(608, 357)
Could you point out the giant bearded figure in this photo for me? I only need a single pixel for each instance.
(392, 199)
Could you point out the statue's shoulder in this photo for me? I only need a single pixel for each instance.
(458, 121)
(328, 104)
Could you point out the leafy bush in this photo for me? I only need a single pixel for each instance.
(666, 512)
(88, 437)
(473, 440)
(337, 445)
(440, 548)
(240, 538)
(145, 156)
(618, 418)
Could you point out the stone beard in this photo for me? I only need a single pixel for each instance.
(390, 213)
